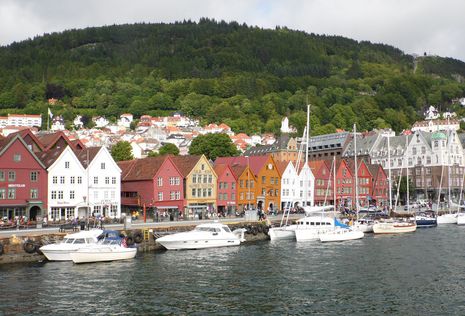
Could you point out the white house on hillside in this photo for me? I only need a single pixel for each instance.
(100, 121)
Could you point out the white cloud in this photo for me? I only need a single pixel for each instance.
(415, 26)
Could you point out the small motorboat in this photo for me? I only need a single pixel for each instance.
(394, 227)
(364, 225)
(207, 235)
(341, 234)
(107, 249)
(71, 242)
(426, 219)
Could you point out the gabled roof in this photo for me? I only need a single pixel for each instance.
(6, 142)
(28, 132)
(140, 169)
(220, 168)
(86, 155)
(50, 139)
(255, 163)
(185, 164)
(50, 156)
(237, 170)
(316, 165)
(282, 165)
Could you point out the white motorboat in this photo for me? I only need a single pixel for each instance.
(107, 250)
(363, 225)
(203, 236)
(283, 232)
(341, 234)
(394, 227)
(448, 218)
(70, 243)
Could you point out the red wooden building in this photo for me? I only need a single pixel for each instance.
(226, 190)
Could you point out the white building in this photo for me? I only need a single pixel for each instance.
(28, 120)
(125, 120)
(78, 124)
(297, 188)
(285, 128)
(104, 176)
(58, 123)
(100, 121)
(67, 185)
(432, 126)
(431, 113)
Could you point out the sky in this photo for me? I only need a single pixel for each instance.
(436, 27)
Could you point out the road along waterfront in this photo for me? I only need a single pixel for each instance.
(411, 274)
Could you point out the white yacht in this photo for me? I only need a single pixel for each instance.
(105, 250)
(363, 225)
(70, 243)
(282, 232)
(207, 235)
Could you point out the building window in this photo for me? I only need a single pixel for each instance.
(2, 175)
(71, 195)
(172, 195)
(178, 195)
(193, 192)
(54, 195)
(178, 181)
(194, 178)
(202, 167)
(72, 179)
(113, 180)
(159, 181)
(233, 185)
(79, 180)
(241, 184)
(263, 179)
(95, 180)
(172, 181)
(62, 180)
(105, 195)
(66, 164)
(107, 180)
(60, 195)
(210, 178)
(233, 196)
(112, 195)
(205, 178)
(34, 193)
(33, 176)
(11, 193)
(204, 193)
(11, 175)
(2, 194)
(102, 165)
(209, 192)
(160, 196)
(17, 157)
(95, 195)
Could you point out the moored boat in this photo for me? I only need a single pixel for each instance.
(448, 218)
(394, 227)
(426, 219)
(207, 235)
(70, 243)
(282, 232)
(342, 234)
(106, 250)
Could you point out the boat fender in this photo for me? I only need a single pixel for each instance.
(254, 230)
(260, 228)
(29, 246)
(1, 249)
(129, 241)
(138, 238)
(266, 229)
(248, 229)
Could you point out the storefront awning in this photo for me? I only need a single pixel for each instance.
(166, 207)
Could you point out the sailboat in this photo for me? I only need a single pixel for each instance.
(340, 232)
(285, 231)
(364, 225)
(394, 226)
(449, 218)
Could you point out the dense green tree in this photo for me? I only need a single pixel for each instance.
(166, 149)
(122, 151)
(213, 146)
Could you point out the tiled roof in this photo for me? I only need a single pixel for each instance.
(282, 165)
(237, 170)
(219, 169)
(140, 169)
(88, 153)
(50, 156)
(255, 162)
(185, 163)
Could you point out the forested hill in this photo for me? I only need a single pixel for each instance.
(245, 76)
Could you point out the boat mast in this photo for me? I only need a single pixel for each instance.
(306, 155)
(389, 165)
(406, 154)
(356, 172)
(334, 183)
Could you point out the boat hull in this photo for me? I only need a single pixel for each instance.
(394, 228)
(426, 223)
(461, 219)
(282, 233)
(197, 244)
(88, 255)
(307, 234)
(447, 219)
(364, 228)
(341, 235)
(57, 255)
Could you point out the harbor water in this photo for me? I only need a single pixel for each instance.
(421, 273)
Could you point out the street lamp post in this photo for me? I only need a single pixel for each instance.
(248, 183)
